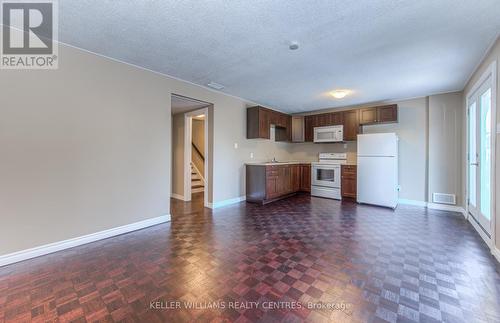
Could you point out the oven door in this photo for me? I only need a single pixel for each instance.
(326, 175)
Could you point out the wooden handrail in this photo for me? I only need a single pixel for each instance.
(198, 151)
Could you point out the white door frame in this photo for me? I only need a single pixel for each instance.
(491, 71)
(188, 132)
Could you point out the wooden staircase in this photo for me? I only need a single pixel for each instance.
(197, 181)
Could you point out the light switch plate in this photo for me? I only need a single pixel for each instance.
(251, 155)
(235, 145)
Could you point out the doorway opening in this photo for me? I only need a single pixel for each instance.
(481, 133)
(190, 153)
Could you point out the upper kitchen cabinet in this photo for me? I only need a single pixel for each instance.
(309, 128)
(321, 120)
(351, 124)
(336, 118)
(367, 115)
(381, 114)
(387, 113)
(260, 119)
(258, 123)
(298, 134)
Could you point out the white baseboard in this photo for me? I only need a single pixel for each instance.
(78, 241)
(177, 196)
(219, 204)
(434, 206)
(444, 207)
(412, 202)
(496, 252)
(482, 234)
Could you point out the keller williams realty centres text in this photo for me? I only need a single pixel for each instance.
(173, 305)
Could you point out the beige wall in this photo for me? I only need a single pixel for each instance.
(446, 119)
(87, 148)
(492, 55)
(84, 148)
(178, 154)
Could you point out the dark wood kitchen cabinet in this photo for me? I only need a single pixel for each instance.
(295, 170)
(337, 118)
(323, 120)
(258, 123)
(305, 178)
(381, 114)
(267, 183)
(351, 124)
(367, 115)
(348, 183)
(260, 119)
(387, 113)
(308, 128)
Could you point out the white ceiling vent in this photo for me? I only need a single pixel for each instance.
(444, 198)
(216, 86)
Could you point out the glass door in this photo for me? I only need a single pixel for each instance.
(479, 155)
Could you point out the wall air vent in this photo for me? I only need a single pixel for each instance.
(444, 198)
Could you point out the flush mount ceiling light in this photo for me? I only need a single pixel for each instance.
(339, 94)
(216, 86)
(294, 45)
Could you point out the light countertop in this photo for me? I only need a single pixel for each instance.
(293, 162)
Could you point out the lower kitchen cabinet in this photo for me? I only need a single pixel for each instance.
(348, 183)
(305, 178)
(267, 183)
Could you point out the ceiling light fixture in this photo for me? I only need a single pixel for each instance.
(294, 45)
(339, 94)
(200, 116)
(216, 86)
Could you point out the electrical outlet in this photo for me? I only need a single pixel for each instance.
(251, 155)
(235, 145)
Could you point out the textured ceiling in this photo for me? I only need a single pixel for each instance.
(385, 49)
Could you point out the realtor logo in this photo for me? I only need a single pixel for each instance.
(29, 35)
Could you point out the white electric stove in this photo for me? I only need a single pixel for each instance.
(325, 175)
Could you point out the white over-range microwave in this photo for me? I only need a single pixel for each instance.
(329, 134)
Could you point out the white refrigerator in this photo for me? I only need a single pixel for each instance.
(378, 169)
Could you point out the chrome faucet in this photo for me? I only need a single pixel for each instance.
(274, 160)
